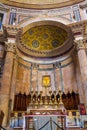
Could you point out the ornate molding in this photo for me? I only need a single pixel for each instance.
(79, 44)
(10, 47)
(83, 4)
(12, 31)
(3, 7)
(34, 65)
(79, 28)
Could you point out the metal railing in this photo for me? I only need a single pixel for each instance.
(51, 121)
(44, 122)
(2, 127)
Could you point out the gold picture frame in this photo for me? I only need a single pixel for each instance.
(46, 81)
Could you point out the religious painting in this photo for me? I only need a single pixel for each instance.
(46, 81)
(82, 109)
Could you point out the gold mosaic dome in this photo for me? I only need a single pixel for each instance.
(46, 39)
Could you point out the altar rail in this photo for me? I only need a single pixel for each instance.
(44, 122)
(74, 119)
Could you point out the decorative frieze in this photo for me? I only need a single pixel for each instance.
(79, 29)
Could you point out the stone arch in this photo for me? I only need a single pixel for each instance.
(38, 21)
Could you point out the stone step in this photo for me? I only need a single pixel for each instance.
(14, 129)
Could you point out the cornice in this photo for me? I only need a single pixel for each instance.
(3, 7)
(12, 31)
(41, 6)
(79, 28)
(83, 4)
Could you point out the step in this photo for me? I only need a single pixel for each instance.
(14, 129)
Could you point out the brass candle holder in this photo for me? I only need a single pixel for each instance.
(46, 101)
(60, 99)
(41, 100)
(55, 101)
(36, 101)
(61, 105)
(50, 102)
(31, 103)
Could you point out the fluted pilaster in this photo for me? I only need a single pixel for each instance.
(6, 80)
(83, 66)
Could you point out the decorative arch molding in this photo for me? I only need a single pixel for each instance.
(67, 58)
(26, 25)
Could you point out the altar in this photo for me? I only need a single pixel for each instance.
(45, 114)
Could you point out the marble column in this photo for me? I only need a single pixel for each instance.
(78, 79)
(82, 57)
(14, 80)
(6, 81)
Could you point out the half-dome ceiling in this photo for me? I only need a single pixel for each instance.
(45, 37)
(50, 39)
(40, 3)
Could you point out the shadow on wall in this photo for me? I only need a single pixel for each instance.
(1, 117)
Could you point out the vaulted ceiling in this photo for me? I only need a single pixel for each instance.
(40, 3)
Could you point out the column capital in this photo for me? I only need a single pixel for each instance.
(57, 65)
(11, 47)
(79, 44)
(35, 66)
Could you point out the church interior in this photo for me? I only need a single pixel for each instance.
(43, 64)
